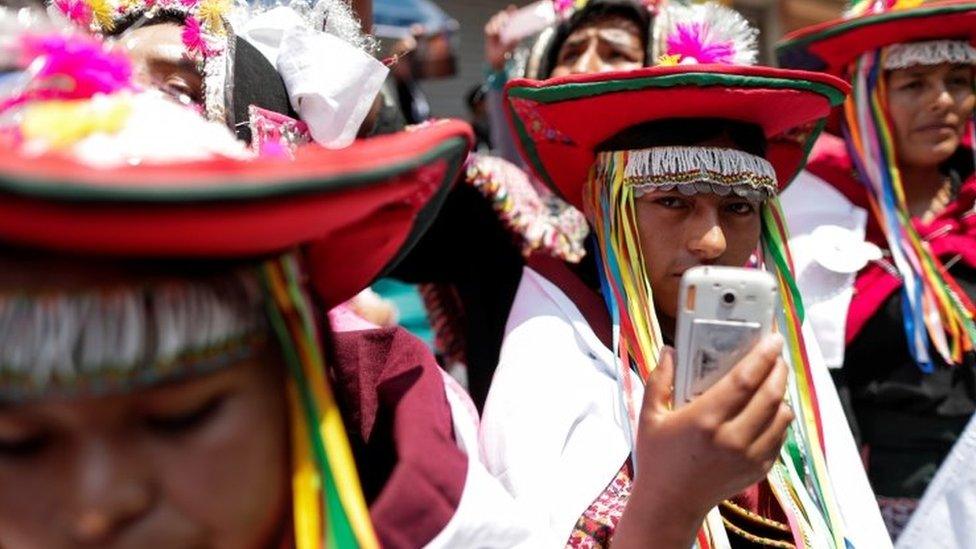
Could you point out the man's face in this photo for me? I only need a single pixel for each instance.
(160, 60)
(929, 108)
(607, 44)
(678, 232)
(196, 463)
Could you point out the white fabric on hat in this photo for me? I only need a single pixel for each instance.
(331, 84)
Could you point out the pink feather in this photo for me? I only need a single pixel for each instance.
(690, 40)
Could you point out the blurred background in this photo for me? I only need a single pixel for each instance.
(463, 22)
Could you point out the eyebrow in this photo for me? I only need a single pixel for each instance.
(616, 36)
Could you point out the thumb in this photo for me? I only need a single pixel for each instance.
(657, 395)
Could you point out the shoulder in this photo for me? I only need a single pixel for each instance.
(830, 161)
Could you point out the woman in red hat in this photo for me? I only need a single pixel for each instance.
(675, 166)
(882, 218)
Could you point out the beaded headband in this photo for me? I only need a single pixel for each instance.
(693, 170)
(122, 338)
(933, 52)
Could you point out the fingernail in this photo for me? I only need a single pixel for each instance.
(666, 352)
(772, 343)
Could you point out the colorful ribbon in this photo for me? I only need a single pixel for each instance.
(935, 309)
(799, 478)
(328, 505)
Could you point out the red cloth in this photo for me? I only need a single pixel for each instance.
(395, 406)
(951, 233)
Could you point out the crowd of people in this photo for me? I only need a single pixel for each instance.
(196, 196)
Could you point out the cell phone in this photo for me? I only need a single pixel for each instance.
(722, 313)
(527, 21)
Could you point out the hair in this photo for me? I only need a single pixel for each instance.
(594, 12)
(684, 132)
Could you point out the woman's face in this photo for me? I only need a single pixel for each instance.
(608, 44)
(199, 463)
(678, 232)
(929, 108)
(160, 60)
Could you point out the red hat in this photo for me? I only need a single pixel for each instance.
(831, 46)
(357, 209)
(559, 122)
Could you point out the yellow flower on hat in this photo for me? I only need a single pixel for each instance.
(669, 60)
(61, 124)
(211, 14)
(103, 12)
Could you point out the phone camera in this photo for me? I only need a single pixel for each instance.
(728, 298)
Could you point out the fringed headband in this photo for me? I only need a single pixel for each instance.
(932, 52)
(122, 338)
(693, 170)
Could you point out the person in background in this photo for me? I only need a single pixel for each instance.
(881, 218)
(163, 335)
(675, 166)
(470, 261)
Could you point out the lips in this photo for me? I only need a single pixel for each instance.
(937, 126)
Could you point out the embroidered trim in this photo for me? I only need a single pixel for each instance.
(754, 538)
(542, 221)
(933, 52)
(697, 169)
(747, 514)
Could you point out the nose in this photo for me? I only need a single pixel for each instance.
(112, 491)
(706, 239)
(943, 101)
(589, 61)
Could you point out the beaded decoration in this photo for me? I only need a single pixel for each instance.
(700, 169)
(932, 52)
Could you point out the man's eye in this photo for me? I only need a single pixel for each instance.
(741, 208)
(23, 447)
(912, 85)
(961, 82)
(671, 202)
(185, 421)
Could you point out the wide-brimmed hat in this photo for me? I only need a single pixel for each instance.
(357, 209)
(560, 122)
(831, 46)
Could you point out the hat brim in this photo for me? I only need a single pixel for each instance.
(559, 122)
(357, 209)
(831, 46)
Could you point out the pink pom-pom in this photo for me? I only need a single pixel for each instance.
(563, 6)
(84, 61)
(193, 38)
(691, 41)
(69, 67)
(77, 11)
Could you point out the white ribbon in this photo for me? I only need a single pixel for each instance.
(331, 84)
